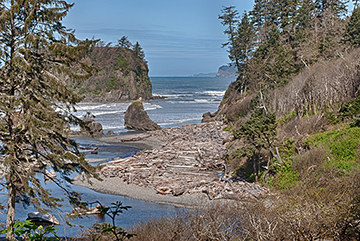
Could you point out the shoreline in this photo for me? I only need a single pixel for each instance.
(117, 186)
(139, 139)
(179, 166)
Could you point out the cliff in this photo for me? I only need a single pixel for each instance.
(120, 76)
(226, 71)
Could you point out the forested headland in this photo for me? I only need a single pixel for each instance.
(121, 73)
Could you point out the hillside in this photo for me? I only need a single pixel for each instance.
(120, 76)
(294, 113)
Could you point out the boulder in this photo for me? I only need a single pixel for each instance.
(208, 117)
(110, 132)
(92, 127)
(136, 118)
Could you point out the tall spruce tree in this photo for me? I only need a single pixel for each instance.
(229, 18)
(245, 45)
(36, 54)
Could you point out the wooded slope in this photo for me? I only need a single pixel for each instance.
(121, 76)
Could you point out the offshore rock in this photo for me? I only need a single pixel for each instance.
(92, 128)
(136, 118)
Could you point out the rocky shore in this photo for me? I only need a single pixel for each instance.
(180, 166)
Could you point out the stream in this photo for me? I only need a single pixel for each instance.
(139, 211)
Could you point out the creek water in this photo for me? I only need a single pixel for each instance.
(187, 99)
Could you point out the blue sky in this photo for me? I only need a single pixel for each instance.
(180, 38)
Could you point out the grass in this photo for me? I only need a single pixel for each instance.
(343, 145)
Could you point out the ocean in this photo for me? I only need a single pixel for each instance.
(187, 99)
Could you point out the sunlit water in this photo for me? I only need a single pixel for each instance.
(187, 99)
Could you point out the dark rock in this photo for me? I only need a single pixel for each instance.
(208, 117)
(136, 118)
(92, 127)
(94, 152)
(110, 132)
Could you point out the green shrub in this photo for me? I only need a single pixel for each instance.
(27, 230)
(287, 176)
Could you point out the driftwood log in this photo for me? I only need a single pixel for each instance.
(191, 160)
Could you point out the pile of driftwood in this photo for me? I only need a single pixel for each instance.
(191, 160)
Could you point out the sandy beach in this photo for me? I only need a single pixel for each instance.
(117, 186)
(138, 139)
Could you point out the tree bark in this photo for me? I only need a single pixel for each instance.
(10, 219)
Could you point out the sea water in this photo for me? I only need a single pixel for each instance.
(187, 98)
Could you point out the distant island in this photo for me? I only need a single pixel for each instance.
(205, 75)
(226, 71)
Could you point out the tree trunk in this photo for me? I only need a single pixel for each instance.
(10, 219)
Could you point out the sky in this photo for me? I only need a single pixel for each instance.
(180, 38)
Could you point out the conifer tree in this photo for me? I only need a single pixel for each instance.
(124, 42)
(352, 29)
(230, 19)
(258, 133)
(138, 51)
(36, 54)
(245, 45)
(331, 8)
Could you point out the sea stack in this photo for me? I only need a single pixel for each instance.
(136, 118)
(91, 128)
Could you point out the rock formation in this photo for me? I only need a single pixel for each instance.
(136, 118)
(207, 117)
(92, 128)
(226, 71)
(120, 76)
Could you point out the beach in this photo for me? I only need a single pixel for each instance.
(180, 166)
(117, 186)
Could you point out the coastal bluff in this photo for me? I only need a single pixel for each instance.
(119, 75)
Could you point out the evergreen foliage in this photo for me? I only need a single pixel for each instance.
(124, 42)
(245, 39)
(36, 52)
(258, 133)
(138, 51)
(229, 18)
(352, 29)
(277, 39)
